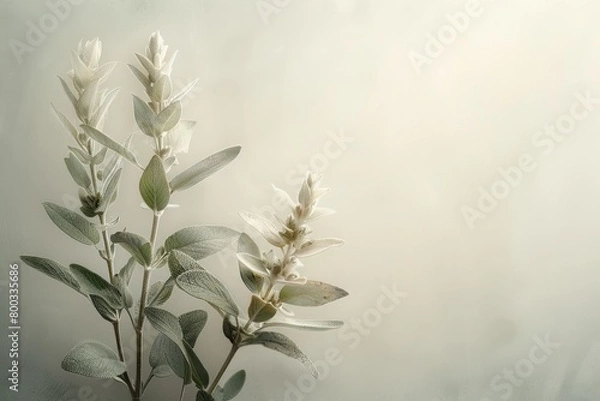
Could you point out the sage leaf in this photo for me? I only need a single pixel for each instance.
(165, 322)
(259, 310)
(104, 309)
(161, 89)
(52, 269)
(66, 123)
(283, 344)
(72, 224)
(192, 323)
(82, 156)
(233, 386)
(199, 372)
(110, 143)
(252, 280)
(126, 295)
(313, 325)
(204, 169)
(313, 293)
(180, 262)
(68, 91)
(77, 171)
(265, 227)
(137, 246)
(199, 242)
(127, 271)
(93, 359)
(203, 285)
(312, 247)
(186, 89)
(109, 191)
(160, 292)
(168, 118)
(154, 186)
(165, 352)
(143, 78)
(107, 99)
(144, 116)
(92, 284)
(98, 158)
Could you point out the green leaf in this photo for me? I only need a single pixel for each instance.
(77, 171)
(52, 269)
(313, 293)
(112, 166)
(165, 322)
(126, 295)
(180, 262)
(186, 89)
(166, 352)
(72, 224)
(161, 89)
(283, 344)
(201, 241)
(66, 123)
(253, 281)
(154, 186)
(104, 309)
(127, 271)
(203, 285)
(168, 118)
(93, 359)
(99, 157)
(160, 292)
(68, 91)
(162, 371)
(91, 283)
(259, 310)
(138, 246)
(109, 190)
(199, 372)
(110, 143)
(204, 169)
(192, 324)
(144, 116)
(315, 325)
(143, 78)
(233, 386)
(82, 156)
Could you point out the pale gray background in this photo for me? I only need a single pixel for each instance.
(423, 144)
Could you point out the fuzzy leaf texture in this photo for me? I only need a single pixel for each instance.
(93, 359)
(72, 224)
(154, 186)
(204, 168)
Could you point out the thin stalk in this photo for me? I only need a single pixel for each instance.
(234, 347)
(109, 258)
(182, 391)
(143, 300)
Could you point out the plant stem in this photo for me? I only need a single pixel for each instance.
(234, 347)
(182, 391)
(140, 320)
(111, 270)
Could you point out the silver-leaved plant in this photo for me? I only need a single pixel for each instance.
(275, 277)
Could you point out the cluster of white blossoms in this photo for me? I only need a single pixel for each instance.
(293, 238)
(90, 101)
